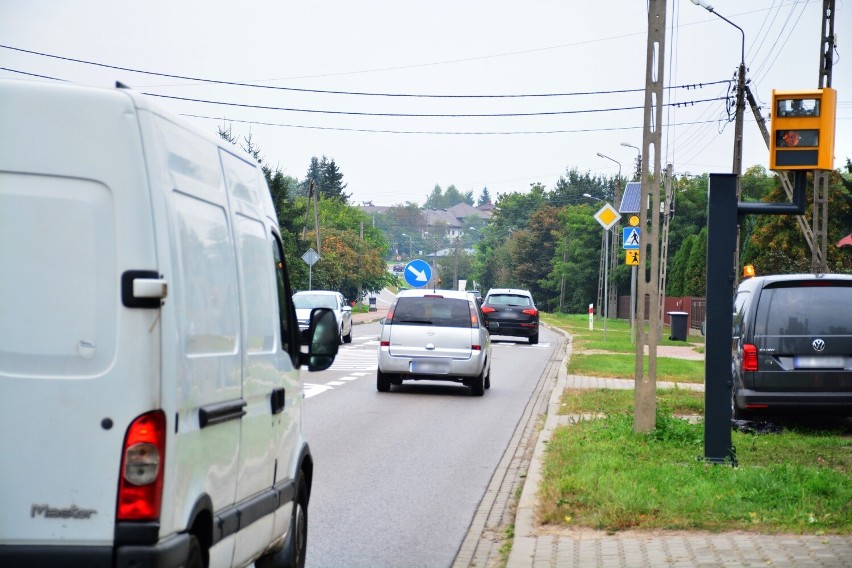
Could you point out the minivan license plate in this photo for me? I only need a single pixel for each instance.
(813, 362)
(430, 366)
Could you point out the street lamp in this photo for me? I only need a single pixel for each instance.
(638, 159)
(410, 246)
(738, 123)
(612, 160)
(617, 195)
(633, 271)
(605, 253)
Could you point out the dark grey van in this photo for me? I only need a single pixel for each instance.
(792, 344)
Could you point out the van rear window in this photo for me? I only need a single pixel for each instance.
(805, 310)
(446, 312)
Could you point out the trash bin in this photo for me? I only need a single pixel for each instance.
(373, 304)
(678, 321)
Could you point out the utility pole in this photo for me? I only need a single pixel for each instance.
(819, 260)
(645, 404)
(667, 212)
(312, 193)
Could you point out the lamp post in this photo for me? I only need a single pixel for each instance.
(610, 297)
(612, 160)
(410, 246)
(738, 124)
(606, 267)
(633, 270)
(638, 159)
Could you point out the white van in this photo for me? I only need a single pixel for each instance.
(150, 400)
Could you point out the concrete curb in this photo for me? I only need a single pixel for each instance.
(524, 543)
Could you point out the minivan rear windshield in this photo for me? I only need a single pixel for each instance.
(446, 312)
(805, 310)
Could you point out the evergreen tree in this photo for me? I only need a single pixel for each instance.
(331, 181)
(484, 197)
(435, 199)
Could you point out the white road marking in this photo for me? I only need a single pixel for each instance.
(309, 389)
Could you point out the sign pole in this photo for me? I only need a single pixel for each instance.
(606, 281)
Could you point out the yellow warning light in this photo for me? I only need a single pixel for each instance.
(748, 271)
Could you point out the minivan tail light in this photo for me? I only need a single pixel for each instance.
(140, 485)
(749, 357)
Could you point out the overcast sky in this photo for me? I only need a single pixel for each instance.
(440, 47)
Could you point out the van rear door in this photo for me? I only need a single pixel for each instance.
(76, 365)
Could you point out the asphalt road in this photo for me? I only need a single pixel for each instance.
(399, 475)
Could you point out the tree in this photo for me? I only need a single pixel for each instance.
(327, 178)
(484, 197)
(776, 244)
(532, 250)
(576, 260)
(332, 181)
(695, 275)
(351, 259)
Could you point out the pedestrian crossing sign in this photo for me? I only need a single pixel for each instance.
(631, 258)
(630, 238)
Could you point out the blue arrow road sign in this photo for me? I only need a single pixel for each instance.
(417, 273)
(630, 238)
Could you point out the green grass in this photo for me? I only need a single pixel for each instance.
(601, 474)
(611, 402)
(619, 359)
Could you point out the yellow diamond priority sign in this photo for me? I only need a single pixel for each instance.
(607, 216)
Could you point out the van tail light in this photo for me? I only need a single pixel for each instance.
(385, 344)
(389, 316)
(474, 319)
(749, 357)
(140, 486)
(530, 312)
(487, 309)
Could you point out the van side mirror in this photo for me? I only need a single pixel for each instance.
(493, 326)
(321, 339)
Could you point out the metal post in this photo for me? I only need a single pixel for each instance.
(633, 305)
(721, 245)
(606, 281)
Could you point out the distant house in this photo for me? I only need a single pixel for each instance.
(449, 223)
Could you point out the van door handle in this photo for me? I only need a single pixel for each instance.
(143, 289)
(219, 412)
(277, 399)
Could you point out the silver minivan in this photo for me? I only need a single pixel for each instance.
(436, 335)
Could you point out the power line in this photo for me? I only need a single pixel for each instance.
(352, 93)
(422, 115)
(433, 132)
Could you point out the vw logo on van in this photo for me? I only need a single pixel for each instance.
(818, 344)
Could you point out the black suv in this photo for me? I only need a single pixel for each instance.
(509, 311)
(792, 343)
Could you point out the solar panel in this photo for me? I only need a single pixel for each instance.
(631, 198)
